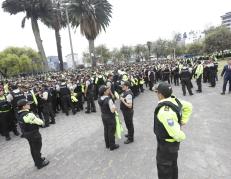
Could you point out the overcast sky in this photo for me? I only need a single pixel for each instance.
(132, 22)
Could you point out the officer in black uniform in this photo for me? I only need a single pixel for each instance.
(65, 95)
(29, 124)
(212, 73)
(15, 96)
(5, 114)
(126, 106)
(110, 84)
(89, 94)
(185, 77)
(47, 108)
(108, 109)
(78, 90)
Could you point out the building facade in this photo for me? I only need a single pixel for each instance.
(53, 63)
(226, 20)
(69, 60)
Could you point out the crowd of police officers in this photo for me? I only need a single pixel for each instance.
(34, 101)
(53, 92)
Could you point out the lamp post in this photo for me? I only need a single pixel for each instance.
(69, 31)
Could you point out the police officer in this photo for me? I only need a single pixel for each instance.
(212, 73)
(29, 124)
(79, 91)
(5, 114)
(89, 94)
(65, 95)
(170, 114)
(14, 96)
(108, 109)
(198, 76)
(185, 76)
(126, 106)
(47, 108)
(226, 72)
(110, 84)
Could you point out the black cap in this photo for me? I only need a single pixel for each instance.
(102, 89)
(165, 89)
(23, 102)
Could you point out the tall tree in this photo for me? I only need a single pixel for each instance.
(34, 9)
(14, 60)
(126, 52)
(217, 39)
(93, 16)
(149, 44)
(103, 53)
(56, 20)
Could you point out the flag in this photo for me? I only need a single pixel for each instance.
(119, 127)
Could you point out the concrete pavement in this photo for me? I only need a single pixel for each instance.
(76, 149)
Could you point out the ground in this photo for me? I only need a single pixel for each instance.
(76, 150)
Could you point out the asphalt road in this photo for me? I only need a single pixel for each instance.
(76, 149)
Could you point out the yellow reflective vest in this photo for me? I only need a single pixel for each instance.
(169, 119)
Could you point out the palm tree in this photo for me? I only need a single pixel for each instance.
(56, 20)
(34, 9)
(149, 44)
(93, 16)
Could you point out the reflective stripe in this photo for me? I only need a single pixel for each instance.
(170, 140)
(4, 111)
(34, 97)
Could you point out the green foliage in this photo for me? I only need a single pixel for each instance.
(33, 8)
(217, 39)
(93, 16)
(116, 55)
(126, 52)
(86, 58)
(16, 60)
(102, 53)
(195, 48)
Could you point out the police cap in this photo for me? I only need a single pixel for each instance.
(164, 88)
(102, 89)
(23, 102)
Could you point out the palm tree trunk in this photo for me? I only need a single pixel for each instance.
(92, 53)
(59, 48)
(35, 28)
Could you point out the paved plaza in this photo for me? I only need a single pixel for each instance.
(76, 149)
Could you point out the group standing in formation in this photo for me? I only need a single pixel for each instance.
(33, 101)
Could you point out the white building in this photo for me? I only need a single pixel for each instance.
(69, 60)
(226, 19)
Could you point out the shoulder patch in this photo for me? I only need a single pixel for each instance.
(170, 122)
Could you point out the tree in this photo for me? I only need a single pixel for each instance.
(217, 40)
(93, 16)
(140, 51)
(195, 48)
(126, 52)
(14, 60)
(116, 55)
(160, 48)
(56, 20)
(34, 9)
(103, 53)
(149, 44)
(86, 57)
